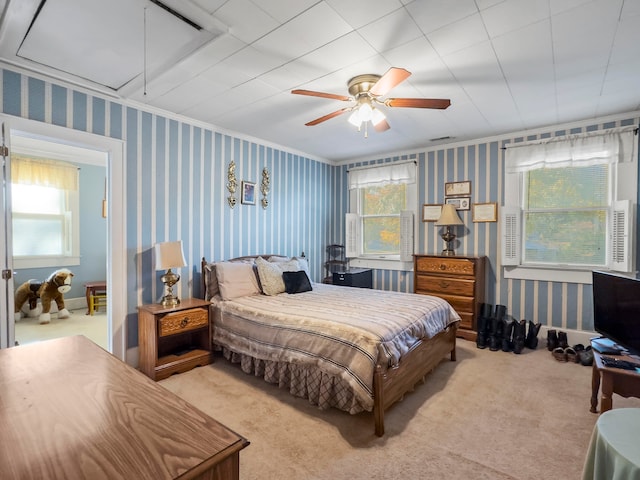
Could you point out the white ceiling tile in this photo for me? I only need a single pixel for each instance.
(284, 10)
(246, 21)
(560, 6)
(391, 31)
(209, 5)
(459, 35)
(514, 14)
(253, 62)
(431, 15)
(362, 12)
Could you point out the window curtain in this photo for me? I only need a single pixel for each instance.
(374, 175)
(45, 173)
(576, 151)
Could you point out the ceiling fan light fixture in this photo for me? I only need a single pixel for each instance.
(355, 119)
(366, 112)
(377, 116)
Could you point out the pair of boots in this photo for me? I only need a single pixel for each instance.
(502, 333)
(556, 339)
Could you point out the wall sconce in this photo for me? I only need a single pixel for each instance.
(448, 218)
(232, 184)
(169, 255)
(264, 187)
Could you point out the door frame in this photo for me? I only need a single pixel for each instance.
(116, 216)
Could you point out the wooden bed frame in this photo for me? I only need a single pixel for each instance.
(391, 384)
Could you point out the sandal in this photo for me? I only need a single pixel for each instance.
(572, 356)
(559, 354)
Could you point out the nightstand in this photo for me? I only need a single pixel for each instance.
(173, 339)
(354, 277)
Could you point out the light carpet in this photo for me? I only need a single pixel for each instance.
(490, 415)
(94, 327)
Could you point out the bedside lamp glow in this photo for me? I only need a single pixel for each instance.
(169, 255)
(448, 218)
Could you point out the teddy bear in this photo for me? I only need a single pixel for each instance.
(54, 288)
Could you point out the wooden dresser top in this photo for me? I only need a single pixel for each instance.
(69, 409)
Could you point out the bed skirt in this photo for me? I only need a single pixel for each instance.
(319, 388)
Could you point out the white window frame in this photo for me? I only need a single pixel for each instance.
(353, 229)
(621, 225)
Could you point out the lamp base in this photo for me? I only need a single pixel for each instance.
(170, 301)
(448, 253)
(448, 236)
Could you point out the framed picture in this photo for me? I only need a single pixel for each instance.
(431, 213)
(457, 189)
(485, 212)
(248, 193)
(461, 203)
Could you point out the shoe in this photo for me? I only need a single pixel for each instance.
(552, 340)
(586, 356)
(531, 340)
(562, 340)
(484, 325)
(507, 334)
(571, 354)
(497, 330)
(519, 330)
(559, 354)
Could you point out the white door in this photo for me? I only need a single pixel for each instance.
(7, 332)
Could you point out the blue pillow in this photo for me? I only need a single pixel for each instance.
(296, 282)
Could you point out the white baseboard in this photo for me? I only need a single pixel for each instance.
(574, 337)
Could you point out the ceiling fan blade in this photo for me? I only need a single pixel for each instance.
(381, 126)
(328, 117)
(439, 103)
(390, 79)
(311, 93)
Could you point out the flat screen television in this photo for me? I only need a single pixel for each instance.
(616, 309)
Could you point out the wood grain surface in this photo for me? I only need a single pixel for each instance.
(69, 409)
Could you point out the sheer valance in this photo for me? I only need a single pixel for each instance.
(382, 174)
(45, 173)
(576, 151)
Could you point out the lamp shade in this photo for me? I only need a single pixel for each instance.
(169, 255)
(449, 216)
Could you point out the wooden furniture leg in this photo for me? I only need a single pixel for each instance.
(595, 388)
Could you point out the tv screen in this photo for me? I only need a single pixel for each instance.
(616, 308)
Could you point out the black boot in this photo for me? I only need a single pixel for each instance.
(484, 325)
(552, 340)
(531, 341)
(507, 334)
(495, 338)
(519, 329)
(562, 340)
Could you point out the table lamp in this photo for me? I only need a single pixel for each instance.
(448, 218)
(169, 255)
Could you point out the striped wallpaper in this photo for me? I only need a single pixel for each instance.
(175, 186)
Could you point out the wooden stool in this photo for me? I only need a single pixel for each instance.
(96, 293)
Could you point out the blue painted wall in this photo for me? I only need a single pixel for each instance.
(93, 236)
(175, 186)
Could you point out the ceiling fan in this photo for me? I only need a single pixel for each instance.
(365, 91)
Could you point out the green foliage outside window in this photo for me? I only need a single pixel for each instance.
(565, 215)
(381, 207)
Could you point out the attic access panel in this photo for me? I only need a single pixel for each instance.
(104, 40)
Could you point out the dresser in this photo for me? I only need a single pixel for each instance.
(71, 410)
(459, 280)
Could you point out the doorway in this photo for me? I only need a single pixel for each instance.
(113, 151)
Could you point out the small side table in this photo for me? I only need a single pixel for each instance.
(614, 380)
(95, 291)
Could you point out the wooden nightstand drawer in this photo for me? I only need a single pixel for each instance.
(459, 266)
(177, 322)
(445, 285)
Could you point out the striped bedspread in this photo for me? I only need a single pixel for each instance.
(342, 331)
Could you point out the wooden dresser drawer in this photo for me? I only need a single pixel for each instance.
(183, 321)
(448, 285)
(458, 266)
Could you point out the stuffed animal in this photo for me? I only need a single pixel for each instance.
(54, 288)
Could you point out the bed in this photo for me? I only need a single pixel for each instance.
(349, 348)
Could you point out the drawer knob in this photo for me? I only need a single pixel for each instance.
(443, 266)
(184, 322)
(444, 284)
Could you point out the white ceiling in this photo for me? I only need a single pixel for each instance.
(506, 65)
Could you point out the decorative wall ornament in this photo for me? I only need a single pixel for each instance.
(232, 183)
(264, 187)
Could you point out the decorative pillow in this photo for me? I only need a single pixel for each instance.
(236, 280)
(270, 274)
(278, 258)
(304, 265)
(296, 282)
(211, 288)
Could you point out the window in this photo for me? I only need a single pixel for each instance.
(44, 195)
(380, 225)
(562, 215)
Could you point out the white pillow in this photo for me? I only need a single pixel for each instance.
(304, 265)
(270, 274)
(236, 280)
